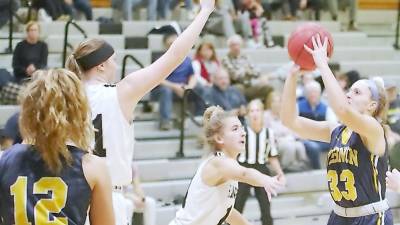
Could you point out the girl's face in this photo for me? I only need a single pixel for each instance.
(359, 97)
(206, 52)
(232, 137)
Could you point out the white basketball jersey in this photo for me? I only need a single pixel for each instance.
(114, 134)
(204, 204)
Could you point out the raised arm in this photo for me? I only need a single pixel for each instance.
(365, 125)
(305, 128)
(134, 86)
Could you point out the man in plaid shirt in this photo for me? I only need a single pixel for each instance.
(243, 74)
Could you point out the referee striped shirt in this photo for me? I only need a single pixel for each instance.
(259, 146)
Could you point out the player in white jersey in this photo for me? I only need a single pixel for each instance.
(211, 194)
(112, 105)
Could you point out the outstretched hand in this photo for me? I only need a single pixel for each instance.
(319, 51)
(271, 186)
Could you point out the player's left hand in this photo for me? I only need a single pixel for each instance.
(393, 180)
(319, 51)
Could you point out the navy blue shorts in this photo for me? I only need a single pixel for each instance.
(385, 218)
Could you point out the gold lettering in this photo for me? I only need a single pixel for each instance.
(353, 157)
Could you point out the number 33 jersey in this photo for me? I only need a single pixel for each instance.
(30, 194)
(114, 136)
(356, 177)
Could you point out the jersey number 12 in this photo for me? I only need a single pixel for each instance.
(42, 209)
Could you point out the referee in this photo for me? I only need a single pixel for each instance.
(260, 150)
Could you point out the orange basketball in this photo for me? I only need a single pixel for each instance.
(302, 36)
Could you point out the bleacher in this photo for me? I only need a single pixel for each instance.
(165, 177)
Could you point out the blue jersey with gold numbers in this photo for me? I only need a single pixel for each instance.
(356, 177)
(31, 195)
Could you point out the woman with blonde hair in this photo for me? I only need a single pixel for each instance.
(211, 195)
(358, 157)
(30, 54)
(112, 105)
(52, 177)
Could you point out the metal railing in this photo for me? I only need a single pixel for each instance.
(126, 57)
(66, 32)
(184, 113)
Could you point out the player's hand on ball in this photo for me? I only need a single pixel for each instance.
(393, 180)
(319, 51)
(207, 5)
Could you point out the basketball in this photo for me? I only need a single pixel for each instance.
(302, 35)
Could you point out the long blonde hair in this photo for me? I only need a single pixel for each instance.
(55, 110)
(84, 48)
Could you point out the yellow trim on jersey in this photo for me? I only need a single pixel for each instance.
(374, 173)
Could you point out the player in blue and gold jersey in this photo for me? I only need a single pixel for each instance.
(51, 178)
(358, 155)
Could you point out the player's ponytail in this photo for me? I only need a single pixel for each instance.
(213, 119)
(55, 111)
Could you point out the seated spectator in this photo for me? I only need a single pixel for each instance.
(226, 96)
(205, 63)
(232, 21)
(142, 207)
(30, 54)
(394, 106)
(57, 9)
(5, 10)
(347, 79)
(292, 153)
(312, 108)
(242, 72)
(315, 5)
(173, 87)
(334, 6)
(393, 120)
(126, 7)
(83, 6)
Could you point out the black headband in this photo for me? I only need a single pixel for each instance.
(96, 57)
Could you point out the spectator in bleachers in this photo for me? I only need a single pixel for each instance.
(30, 54)
(231, 21)
(5, 10)
(205, 63)
(394, 106)
(243, 73)
(312, 108)
(315, 5)
(260, 150)
(347, 79)
(142, 207)
(226, 96)
(334, 6)
(173, 87)
(126, 7)
(56, 9)
(83, 6)
(292, 153)
(11, 133)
